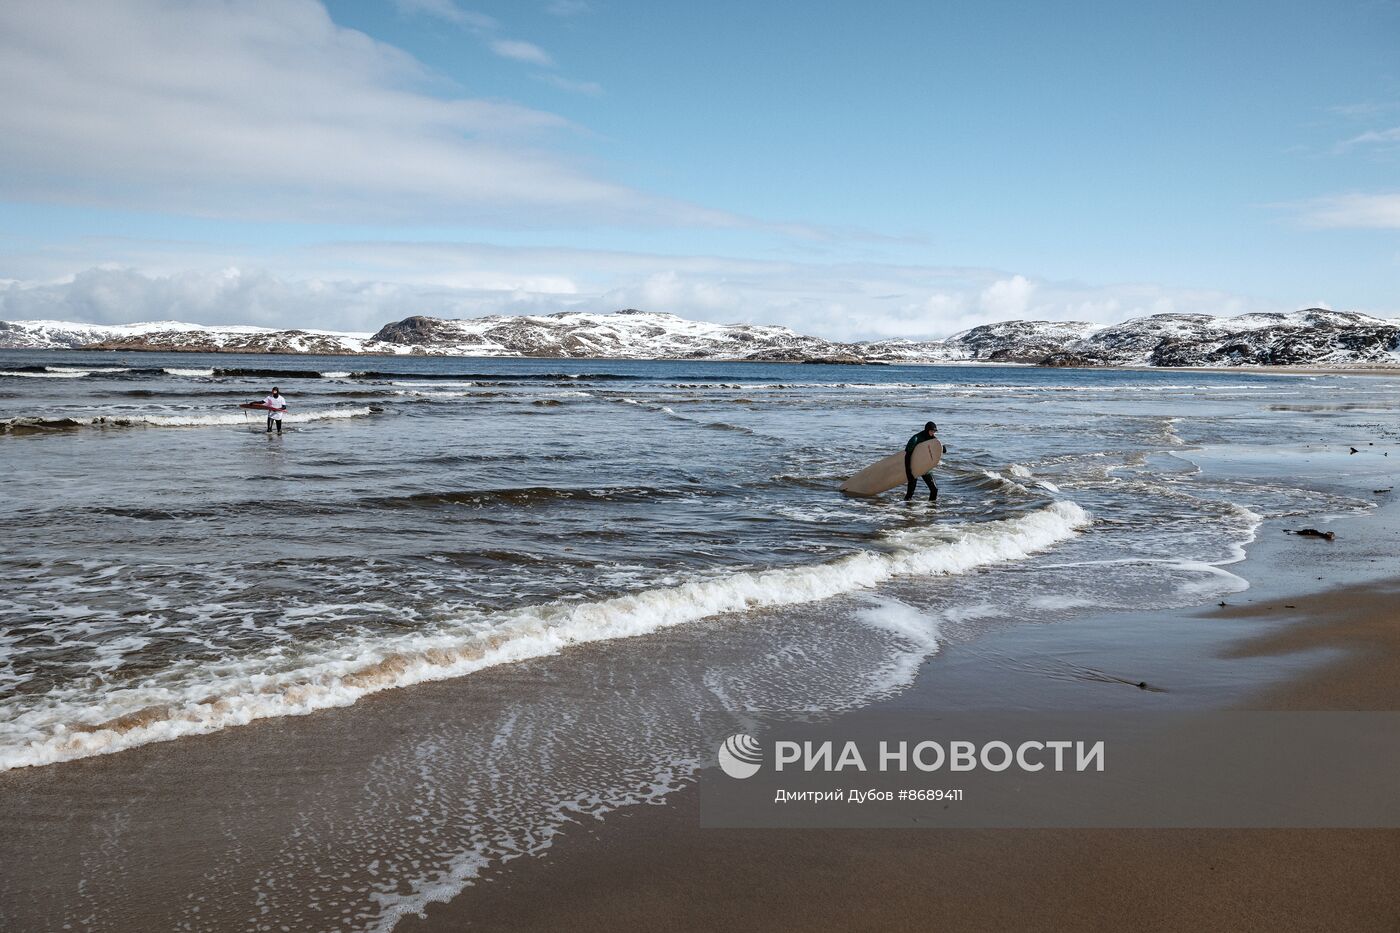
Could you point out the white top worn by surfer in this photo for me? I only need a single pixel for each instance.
(275, 405)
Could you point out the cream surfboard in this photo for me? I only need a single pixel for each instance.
(889, 473)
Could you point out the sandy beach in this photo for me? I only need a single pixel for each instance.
(653, 867)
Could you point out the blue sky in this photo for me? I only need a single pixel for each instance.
(886, 169)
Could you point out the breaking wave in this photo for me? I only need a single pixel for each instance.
(210, 697)
(531, 495)
(44, 425)
(43, 373)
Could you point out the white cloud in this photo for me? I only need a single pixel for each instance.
(272, 111)
(110, 296)
(521, 51)
(447, 10)
(702, 298)
(393, 280)
(1007, 298)
(1383, 139)
(1354, 211)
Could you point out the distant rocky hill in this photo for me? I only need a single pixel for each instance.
(626, 334)
(175, 337)
(1313, 337)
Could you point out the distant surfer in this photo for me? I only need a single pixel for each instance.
(927, 434)
(276, 405)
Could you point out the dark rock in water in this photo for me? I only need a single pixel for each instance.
(1314, 533)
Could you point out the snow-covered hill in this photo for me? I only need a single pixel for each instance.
(1313, 337)
(626, 334)
(1310, 337)
(173, 336)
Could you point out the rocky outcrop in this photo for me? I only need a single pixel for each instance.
(414, 330)
(175, 337)
(281, 341)
(627, 334)
(1018, 341)
(1313, 337)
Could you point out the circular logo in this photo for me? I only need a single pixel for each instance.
(740, 756)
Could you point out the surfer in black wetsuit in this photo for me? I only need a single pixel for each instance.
(930, 429)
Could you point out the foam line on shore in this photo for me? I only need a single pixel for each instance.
(210, 697)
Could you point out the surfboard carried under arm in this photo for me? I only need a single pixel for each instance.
(888, 473)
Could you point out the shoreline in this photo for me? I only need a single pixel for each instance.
(1333, 370)
(1328, 647)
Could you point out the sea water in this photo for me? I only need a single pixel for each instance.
(475, 525)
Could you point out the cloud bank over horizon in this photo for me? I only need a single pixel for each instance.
(835, 302)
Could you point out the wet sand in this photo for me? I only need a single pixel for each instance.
(1363, 622)
(654, 868)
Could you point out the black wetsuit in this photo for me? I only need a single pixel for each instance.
(913, 442)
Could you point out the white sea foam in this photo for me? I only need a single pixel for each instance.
(918, 629)
(463, 868)
(897, 618)
(1169, 432)
(1021, 472)
(1055, 602)
(426, 393)
(84, 370)
(1002, 480)
(182, 420)
(1210, 578)
(47, 374)
(1251, 520)
(188, 372)
(208, 697)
